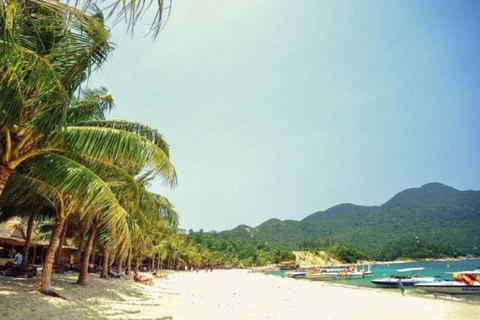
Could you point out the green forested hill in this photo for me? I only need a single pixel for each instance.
(433, 216)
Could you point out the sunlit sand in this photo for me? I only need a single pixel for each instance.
(221, 294)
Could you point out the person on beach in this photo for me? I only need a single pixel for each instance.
(402, 288)
(142, 279)
(113, 273)
(18, 259)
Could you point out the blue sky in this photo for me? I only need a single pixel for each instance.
(278, 109)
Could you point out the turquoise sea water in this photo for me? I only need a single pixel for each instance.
(431, 269)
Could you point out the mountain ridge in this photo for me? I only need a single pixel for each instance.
(434, 212)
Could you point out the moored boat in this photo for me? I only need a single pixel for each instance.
(321, 275)
(450, 286)
(395, 281)
(296, 274)
(462, 282)
(366, 272)
(330, 274)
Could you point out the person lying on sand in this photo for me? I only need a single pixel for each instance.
(142, 279)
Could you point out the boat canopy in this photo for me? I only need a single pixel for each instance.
(410, 269)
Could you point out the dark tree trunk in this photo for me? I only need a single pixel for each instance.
(58, 253)
(26, 248)
(137, 264)
(111, 260)
(119, 263)
(5, 173)
(94, 251)
(44, 284)
(104, 273)
(78, 259)
(82, 277)
(129, 263)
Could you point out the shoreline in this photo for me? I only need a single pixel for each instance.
(425, 260)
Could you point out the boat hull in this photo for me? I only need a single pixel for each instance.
(335, 275)
(296, 274)
(450, 287)
(351, 275)
(394, 282)
(321, 277)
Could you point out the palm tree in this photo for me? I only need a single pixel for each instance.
(42, 66)
(129, 11)
(43, 60)
(62, 147)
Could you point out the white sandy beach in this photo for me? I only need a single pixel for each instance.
(229, 294)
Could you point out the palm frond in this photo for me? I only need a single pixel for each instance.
(83, 190)
(93, 105)
(26, 196)
(125, 148)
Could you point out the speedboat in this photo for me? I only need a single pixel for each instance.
(395, 281)
(296, 274)
(299, 273)
(450, 286)
(462, 282)
(350, 275)
(330, 274)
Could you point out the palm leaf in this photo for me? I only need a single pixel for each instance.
(124, 148)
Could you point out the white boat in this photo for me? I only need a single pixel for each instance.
(450, 286)
(321, 276)
(395, 281)
(463, 282)
(366, 272)
(330, 274)
(299, 273)
(350, 275)
(302, 273)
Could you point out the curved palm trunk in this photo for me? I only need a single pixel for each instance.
(44, 284)
(58, 253)
(104, 274)
(129, 262)
(26, 248)
(82, 277)
(5, 173)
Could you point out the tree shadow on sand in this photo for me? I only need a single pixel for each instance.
(101, 299)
